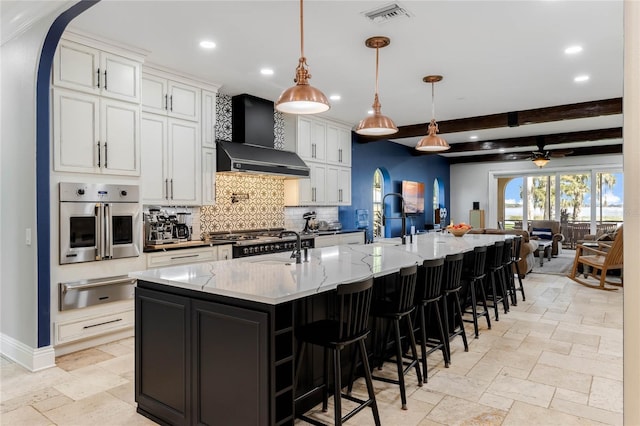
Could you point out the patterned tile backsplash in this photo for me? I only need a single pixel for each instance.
(264, 207)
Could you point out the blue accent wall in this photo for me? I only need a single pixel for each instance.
(43, 156)
(400, 164)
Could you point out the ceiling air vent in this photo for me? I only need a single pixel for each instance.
(387, 13)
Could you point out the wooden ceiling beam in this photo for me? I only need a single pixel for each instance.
(590, 150)
(509, 119)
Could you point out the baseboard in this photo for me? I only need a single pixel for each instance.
(33, 359)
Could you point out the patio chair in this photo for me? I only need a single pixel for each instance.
(607, 257)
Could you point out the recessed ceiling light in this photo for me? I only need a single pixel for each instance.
(370, 112)
(334, 97)
(572, 50)
(266, 71)
(473, 137)
(207, 44)
(581, 78)
(501, 150)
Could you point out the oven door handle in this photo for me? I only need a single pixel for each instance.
(98, 231)
(108, 231)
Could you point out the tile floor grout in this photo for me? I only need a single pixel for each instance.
(528, 369)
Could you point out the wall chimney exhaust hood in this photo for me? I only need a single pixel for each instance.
(252, 147)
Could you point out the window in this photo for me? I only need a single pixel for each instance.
(378, 190)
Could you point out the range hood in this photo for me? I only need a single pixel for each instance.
(251, 149)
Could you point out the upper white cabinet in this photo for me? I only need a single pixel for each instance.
(208, 176)
(325, 146)
(208, 119)
(95, 135)
(162, 95)
(338, 145)
(91, 70)
(171, 161)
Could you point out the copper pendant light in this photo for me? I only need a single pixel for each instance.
(377, 124)
(432, 142)
(302, 98)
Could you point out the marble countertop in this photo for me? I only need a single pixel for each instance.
(276, 278)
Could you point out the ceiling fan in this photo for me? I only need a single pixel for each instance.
(541, 157)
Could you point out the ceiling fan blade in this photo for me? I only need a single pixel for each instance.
(559, 152)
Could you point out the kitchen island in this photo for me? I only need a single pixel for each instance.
(215, 341)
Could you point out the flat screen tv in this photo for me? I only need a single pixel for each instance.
(413, 194)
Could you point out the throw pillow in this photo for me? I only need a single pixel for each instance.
(542, 233)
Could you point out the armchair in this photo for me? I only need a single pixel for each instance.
(547, 229)
(607, 257)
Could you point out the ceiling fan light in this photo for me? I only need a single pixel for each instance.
(432, 142)
(540, 161)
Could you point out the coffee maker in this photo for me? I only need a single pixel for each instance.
(159, 227)
(182, 229)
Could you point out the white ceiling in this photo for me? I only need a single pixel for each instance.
(495, 56)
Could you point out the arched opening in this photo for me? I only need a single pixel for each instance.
(378, 193)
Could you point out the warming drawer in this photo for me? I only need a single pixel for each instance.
(80, 294)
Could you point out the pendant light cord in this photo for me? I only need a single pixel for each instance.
(377, 55)
(433, 103)
(301, 30)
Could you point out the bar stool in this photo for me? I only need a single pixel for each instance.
(349, 326)
(428, 297)
(393, 307)
(508, 283)
(451, 286)
(517, 245)
(473, 274)
(493, 269)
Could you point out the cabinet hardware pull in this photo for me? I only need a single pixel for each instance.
(102, 323)
(171, 102)
(166, 102)
(105, 79)
(106, 154)
(340, 155)
(98, 72)
(166, 188)
(340, 195)
(172, 188)
(98, 154)
(186, 256)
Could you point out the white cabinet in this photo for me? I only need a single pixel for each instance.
(185, 256)
(325, 146)
(171, 161)
(83, 328)
(92, 134)
(338, 185)
(208, 119)
(208, 176)
(88, 69)
(337, 239)
(338, 145)
(307, 192)
(175, 99)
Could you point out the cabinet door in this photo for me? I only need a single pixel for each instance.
(184, 162)
(208, 176)
(331, 186)
(163, 356)
(303, 136)
(120, 136)
(344, 186)
(333, 144)
(344, 147)
(75, 131)
(184, 101)
(231, 365)
(318, 187)
(154, 97)
(75, 66)
(120, 77)
(225, 252)
(208, 119)
(318, 140)
(154, 180)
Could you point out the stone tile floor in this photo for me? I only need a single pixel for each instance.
(555, 359)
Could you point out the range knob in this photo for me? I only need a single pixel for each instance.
(80, 191)
(245, 251)
(123, 193)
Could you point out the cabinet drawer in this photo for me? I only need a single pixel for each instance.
(88, 327)
(181, 257)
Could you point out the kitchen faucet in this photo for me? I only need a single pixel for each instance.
(403, 215)
(296, 250)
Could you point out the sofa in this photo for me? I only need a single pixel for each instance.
(527, 249)
(547, 230)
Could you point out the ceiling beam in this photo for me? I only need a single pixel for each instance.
(509, 119)
(525, 141)
(590, 150)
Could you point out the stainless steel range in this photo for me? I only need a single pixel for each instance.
(260, 241)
